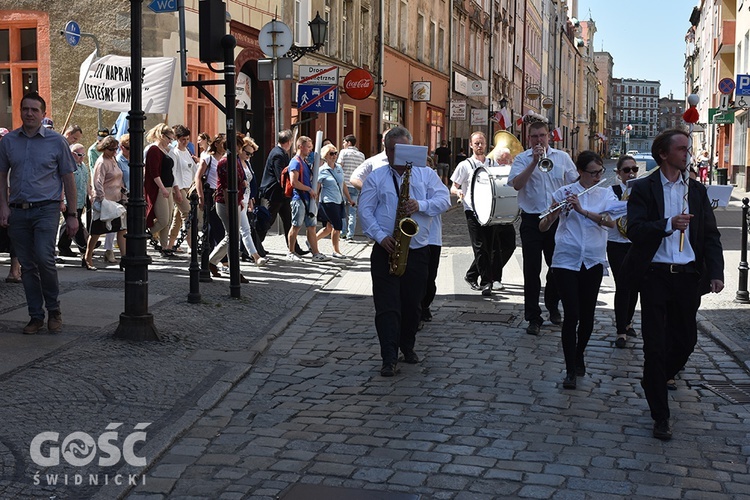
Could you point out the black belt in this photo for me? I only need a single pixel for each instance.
(32, 204)
(674, 268)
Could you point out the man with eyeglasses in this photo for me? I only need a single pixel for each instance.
(535, 188)
(184, 170)
(35, 162)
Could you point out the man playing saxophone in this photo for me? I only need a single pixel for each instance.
(398, 298)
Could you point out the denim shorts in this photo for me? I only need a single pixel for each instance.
(299, 216)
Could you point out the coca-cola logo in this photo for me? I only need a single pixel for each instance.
(359, 84)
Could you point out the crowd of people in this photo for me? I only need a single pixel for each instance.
(658, 234)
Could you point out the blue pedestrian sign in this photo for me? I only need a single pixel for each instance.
(317, 98)
(72, 33)
(160, 6)
(743, 85)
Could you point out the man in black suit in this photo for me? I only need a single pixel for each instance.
(671, 279)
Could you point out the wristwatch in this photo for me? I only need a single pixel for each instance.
(68, 214)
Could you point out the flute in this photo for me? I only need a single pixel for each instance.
(562, 204)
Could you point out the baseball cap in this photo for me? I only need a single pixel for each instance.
(47, 122)
(3, 131)
(102, 133)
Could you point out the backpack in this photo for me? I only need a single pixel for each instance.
(286, 183)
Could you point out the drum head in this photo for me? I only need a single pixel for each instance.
(482, 196)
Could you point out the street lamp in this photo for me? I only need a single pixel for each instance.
(318, 32)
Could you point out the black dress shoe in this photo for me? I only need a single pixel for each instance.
(630, 332)
(472, 284)
(67, 252)
(534, 327)
(555, 318)
(411, 357)
(487, 290)
(569, 382)
(580, 369)
(662, 430)
(389, 370)
(427, 314)
(620, 342)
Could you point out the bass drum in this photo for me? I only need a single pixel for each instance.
(493, 200)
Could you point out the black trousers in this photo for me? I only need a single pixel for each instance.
(625, 299)
(669, 304)
(485, 251)
(505, 245)
(579, 290)
(534, 244)
(81, 237)
(398, 300)
(282, 208)
(215, 226)
(432, 272)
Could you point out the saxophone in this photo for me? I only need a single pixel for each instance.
(404, 230)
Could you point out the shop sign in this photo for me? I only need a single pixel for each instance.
(359, 84)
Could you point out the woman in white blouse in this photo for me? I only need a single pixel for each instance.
(580, 257)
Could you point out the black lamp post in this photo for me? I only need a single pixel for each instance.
(318, 32)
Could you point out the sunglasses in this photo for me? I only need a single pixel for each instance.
(595, 173)
(249, 153)
(627, 170)
(79, 155)
(333, 153)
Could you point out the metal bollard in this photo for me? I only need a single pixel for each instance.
(205, 247)
(742, 294)
(194, 297)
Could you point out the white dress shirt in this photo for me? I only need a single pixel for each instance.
(614, 233)
(370, 164)
(580, 240)
(184, 168)
(669, 249)
(536, 195)
(463, 174)
(379, 201)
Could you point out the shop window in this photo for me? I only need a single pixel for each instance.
(393, 112)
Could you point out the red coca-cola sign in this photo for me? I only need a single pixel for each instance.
(359, 84)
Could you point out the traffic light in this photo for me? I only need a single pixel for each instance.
(212, 16)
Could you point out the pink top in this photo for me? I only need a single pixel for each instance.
(107, 180)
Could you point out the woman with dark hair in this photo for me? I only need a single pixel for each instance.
(206, 181)
(617, 246)
(579, 259)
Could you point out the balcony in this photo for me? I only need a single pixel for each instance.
(724, 43)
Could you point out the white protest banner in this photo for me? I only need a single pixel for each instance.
(105, 83)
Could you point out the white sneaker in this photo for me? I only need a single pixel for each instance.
(109, 256)
(261, 262)
(337, 255)
(293, 257)
(319, 257)
(498, 286)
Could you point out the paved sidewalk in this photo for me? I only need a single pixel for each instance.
(246, 398)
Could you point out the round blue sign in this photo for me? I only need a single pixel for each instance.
(726, 85)
(72, 33)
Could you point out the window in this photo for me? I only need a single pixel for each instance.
(403, 25)
(331, 31)
(365, 29)
(432, 48)
(440, 51)
(200, 113)
(393, 112)
(19, 68)
(420, 39)
(301, 18)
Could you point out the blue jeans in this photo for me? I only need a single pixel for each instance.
(350, 222)
(33, 232)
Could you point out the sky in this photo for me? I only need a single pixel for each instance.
(645, 37)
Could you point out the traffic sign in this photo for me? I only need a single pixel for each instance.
(318, 75)
(726, 86)
(719, 117)
(743, 85)
(72, 33)
(317, 98)
(275, 39)
(160, 6)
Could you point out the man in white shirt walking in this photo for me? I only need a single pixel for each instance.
(350, 158)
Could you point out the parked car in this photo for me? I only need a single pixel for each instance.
(644, 161)
(633, 152)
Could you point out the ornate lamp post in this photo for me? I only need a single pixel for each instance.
(318, 32)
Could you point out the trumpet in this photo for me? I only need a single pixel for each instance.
(564, 204)
(545, 164)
